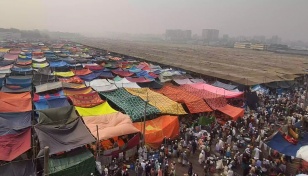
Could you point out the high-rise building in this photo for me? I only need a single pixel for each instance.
(210, 34)
(178, 35)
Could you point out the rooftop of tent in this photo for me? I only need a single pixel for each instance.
(246, 67)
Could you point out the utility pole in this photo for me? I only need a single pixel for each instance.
(46, 161)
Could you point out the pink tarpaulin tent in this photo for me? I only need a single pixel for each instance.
(217, 90)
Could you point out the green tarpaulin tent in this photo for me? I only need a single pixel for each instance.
(206, 120)
(132, 105)
(73, 164)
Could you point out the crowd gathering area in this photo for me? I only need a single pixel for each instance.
(67, 109)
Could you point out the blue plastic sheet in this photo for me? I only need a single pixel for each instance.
(283, 146)
(52, 103)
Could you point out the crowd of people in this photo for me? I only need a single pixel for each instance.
(234, 148)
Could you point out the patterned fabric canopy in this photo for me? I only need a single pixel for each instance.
(163, 103)
(132, 105)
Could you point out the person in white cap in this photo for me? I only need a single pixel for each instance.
(257, 153)
(229, 139)
(201, 157)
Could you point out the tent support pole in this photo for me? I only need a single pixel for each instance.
(46, 161)
(144, 119)
(97, 143)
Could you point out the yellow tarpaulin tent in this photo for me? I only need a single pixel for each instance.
(4, 50)
(65, 74)
(101, 109)
(161, 102)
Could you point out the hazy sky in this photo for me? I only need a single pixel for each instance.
(286, 18)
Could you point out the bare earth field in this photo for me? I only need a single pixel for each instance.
(247, 67)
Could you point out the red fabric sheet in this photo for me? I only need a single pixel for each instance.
(81, 72)
(13, 145)
(215, 101)
(194, 103)
(86, 100)
(74, 79)
(122, 73)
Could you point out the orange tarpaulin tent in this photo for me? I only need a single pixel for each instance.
(156, 129)
(232, 111)
(15, 102)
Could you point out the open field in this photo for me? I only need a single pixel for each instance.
(247, 67)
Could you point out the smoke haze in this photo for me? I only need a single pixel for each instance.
(285, 18)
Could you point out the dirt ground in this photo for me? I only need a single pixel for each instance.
(248, 67)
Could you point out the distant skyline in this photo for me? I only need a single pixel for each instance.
(284, 18)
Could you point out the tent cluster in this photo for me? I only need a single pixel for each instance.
(71, 99)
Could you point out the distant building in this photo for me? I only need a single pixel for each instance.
(261, 38)
(210, 35)
(247, 45)
(225, 37)
(275, 40)
(258, 46)
(10, 35)
(178, 35)
(242, 45)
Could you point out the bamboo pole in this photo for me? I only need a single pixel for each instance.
(46, 161)
(98, 148)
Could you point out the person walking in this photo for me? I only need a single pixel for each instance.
(190, 169)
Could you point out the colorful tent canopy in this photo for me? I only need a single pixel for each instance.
(138, 80)
(224, 86)
(73, 79)
(57, 116)
(217, 90)
(161, 102)
(65, 74)
(39, 79)
(197, 80)
(19, 168)
(48, 96)
(40, 65)
(76, 91)
(90, 76)
(56, 85)
(62, 139)
(194, 104)
(11, 123)
(97, 82)
(277, 142)
(20, 102)
(57, 63)
(182, 81)
(215, 101)
(81, 72)
(152, 85)
(232, 111)
(157, 129)
(13, 145)
(110, 125)
(101, 109)
(73, 163)
(51, 103)
(86, 100)
(122, 73)
(130, 104)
